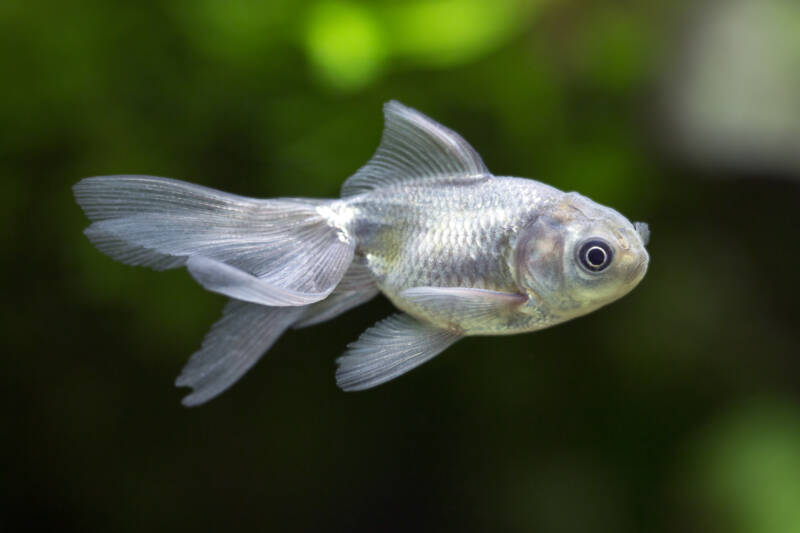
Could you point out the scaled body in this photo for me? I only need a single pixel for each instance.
(449, 236)
(459, 251)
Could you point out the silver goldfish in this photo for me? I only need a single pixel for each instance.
(457, 250)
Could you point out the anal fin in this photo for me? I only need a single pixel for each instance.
(357, 287)
(333, 306)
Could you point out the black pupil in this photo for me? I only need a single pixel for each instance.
(596, 256)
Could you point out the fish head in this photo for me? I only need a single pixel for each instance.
(578, 255)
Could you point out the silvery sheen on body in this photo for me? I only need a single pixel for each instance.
(457, 250)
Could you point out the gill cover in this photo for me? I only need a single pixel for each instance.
(538, 254)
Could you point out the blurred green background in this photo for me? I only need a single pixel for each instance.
(676, 409)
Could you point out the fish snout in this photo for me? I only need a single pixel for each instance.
(633, 265)
(640, 268)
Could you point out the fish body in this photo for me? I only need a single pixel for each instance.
(459, 251)
(450, 236)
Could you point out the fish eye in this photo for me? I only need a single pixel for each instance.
(595, 255)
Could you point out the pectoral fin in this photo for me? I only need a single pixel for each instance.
(463, 303)
(389, 349)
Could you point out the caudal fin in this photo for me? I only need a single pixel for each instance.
(281, 252)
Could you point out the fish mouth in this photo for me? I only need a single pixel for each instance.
(643, 264)
(641, 267)
(637, 271)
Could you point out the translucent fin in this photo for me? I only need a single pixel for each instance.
(234, 283)
(389, 349)
(333, 306)
(463, 302)
(232, 346)
(130, 254)
(357, 287)
(357, 278)
(114, 197)
(643, 230)
(286, 242)
(413, 146)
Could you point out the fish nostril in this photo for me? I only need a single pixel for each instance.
(643, 229)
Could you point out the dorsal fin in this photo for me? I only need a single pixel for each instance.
(412, 147)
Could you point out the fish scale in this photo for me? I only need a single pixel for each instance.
(447, 221)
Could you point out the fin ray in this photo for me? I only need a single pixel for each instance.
(389, 349)
(231, 347)
(463, 302)
(357, 287)
(333, 306)
(164, 223)
(414, 146)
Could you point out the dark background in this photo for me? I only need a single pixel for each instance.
(676, 409)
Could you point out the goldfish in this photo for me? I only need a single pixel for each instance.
(460, 252)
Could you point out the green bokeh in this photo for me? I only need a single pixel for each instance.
(346, 44)
(747, 467)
